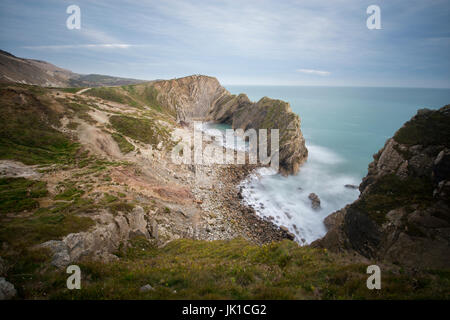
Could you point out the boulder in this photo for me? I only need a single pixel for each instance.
(288, 235)
(7, 290)
(315, 201)
(103, 239)
(146, 288)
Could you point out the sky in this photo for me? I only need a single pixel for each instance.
(245, 42)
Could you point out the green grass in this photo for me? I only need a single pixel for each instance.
(80, 109)
(26, 132)
(124, 146)
(108, 198)
(138, 96)
(18, 237)
(20, 194)
(426, 129)
(120, 206)
(110, 93)
(69, 194)
(150, 98)
(236, 269)
(142, 129)
(42, 226)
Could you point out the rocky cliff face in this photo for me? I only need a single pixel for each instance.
(203, 98)
(267, 113)
(104, 239)
(403, 213)
(190, 97)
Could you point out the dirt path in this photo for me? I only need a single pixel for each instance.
(83, 90)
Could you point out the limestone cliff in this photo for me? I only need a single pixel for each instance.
(190, 97)
(267, 114)
(403, 212)
(203, 98)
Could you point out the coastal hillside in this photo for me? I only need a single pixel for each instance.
(82, 176)
(86, 178)
(189, 98)
(403, 212)
(41, 73)
(202, 98)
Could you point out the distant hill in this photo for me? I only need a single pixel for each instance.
(41, 73)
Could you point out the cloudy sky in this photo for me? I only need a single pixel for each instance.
(288, 42)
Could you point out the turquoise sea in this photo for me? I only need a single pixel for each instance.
(343, 128)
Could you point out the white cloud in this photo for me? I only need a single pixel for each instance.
(315, 72)
(85, 46)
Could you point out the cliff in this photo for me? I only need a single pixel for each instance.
(190, 98)
(403, 212)
(203, 98)
(267, 114)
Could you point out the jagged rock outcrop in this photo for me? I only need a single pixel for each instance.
(403, 212)
(103, 240)
(191, 97)
(267, 113)
(203, 98)
(7, 290)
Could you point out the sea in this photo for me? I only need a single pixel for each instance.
(343, 128)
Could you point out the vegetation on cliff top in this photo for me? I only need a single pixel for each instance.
(426, 128)
(139, 96)
(142, 129)
(19, 194)
(124, 145)
(26, 132)
(236, 269)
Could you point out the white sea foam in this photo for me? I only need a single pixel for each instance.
(286, 199)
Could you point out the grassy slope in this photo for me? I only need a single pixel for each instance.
(26, 130)
(124, 145)
(194, 269)
(142, 129)
(431, 128)
(138, 96)
(27, 134)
